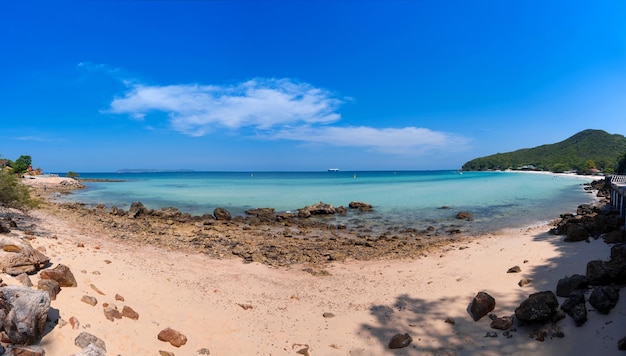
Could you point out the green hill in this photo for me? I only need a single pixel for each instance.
(581, 152)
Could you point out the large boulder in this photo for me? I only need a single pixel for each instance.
(604, 298)
(263, 214)
(62, 274)
(538, 308)
(18, 256)
(576, 233)
(598, 273)
(23, 314)
(567, 285)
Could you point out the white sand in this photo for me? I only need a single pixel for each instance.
(371, 301)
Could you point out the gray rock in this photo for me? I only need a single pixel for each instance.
(575, 233)
(137, 209)
(23, 314)
(91, 350)
(84, 339)
(598, 273)
(574, 306)
(567, 285)
(538, 308)
(604, 298)
(31, 350)
(222, 214)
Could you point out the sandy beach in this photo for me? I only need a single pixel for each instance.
(226, 307)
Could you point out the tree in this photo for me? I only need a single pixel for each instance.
(13, 193)
(72, 174)
(21, 164)
(621, 165)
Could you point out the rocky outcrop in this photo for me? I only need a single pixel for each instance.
(23, 314)
(361, 206)
(574, 306)
(320, 208)
(18, 256)
(222, 214)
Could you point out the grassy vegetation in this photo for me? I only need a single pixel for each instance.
(13, 193)
(589, 149)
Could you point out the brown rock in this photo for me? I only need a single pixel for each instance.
(129, 313)
(50, 286)
(89, 300)
(503, 323)
(24, 312)
(84, 339)
(481, 305)
(74, 323)
(524, 281)
(514, 269)
(111, 312)
(96, 289)
(24, 280)
(400, 341)
(18, 256)
(172, 336)
(61, 274)
(119, 298)
(166, 353)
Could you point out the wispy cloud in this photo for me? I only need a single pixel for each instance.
(275, 108)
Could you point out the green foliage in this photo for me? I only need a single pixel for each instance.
(21, 164)
(621, 165)
(585, 150)
(13, 193)
(72, 174)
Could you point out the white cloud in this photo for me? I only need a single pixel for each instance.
(406, 140)
(276, 109)
(196, 110)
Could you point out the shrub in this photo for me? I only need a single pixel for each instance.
(13, 193)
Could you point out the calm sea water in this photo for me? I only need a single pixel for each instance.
(406, 199)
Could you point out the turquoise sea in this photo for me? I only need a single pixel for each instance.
(406, 199)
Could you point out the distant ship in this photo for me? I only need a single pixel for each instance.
(333, 169)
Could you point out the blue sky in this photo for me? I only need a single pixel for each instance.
(95, 86)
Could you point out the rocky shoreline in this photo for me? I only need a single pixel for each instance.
(280, 240)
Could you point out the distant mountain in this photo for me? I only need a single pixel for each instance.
(584, 151)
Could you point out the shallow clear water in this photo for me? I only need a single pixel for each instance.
(403, 198)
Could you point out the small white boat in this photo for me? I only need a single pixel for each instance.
(333, 169)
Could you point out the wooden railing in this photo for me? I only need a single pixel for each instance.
(618, 179)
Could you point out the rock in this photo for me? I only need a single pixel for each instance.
(481, 305)
(574, 306)
(621, 344)
(363, 207)
(598, 273)
(17, 256)
(567, 285)
(222, 214)
(604, 298)
(575, 233)
(119, 298)
(129, 313)
(464, 215)
(503, 323)
(320, 208)
(24, 279)
(400, 341)
(515, 269)
(89, 300)
(31, 350)
(23, 313)
(4, 229)
(204, 351)
(524, 281)
(450, 321)
(615, 236)
(166, 353)
(328, 315)
(61, 274)
(172, 336)
(137, 209)
(91, 350)
(85, 339)
(50, 286)
(539, 307)
(74, 323)
(263, 214)
(111, 312)
(491, 334)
